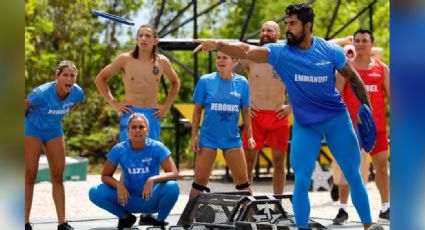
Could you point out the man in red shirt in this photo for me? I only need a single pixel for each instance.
(376, 78)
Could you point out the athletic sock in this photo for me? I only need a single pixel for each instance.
(385, 206)
(344, 206)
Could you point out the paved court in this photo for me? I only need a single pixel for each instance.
(82, 214)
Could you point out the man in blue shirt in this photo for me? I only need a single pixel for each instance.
(307, 65)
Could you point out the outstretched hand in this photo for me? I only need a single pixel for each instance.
(206, 45)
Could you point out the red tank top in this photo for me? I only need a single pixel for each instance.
(373, 79)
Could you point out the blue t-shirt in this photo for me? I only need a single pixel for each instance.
(309, 76)
(222, 100)
(138, 166)
(47, 109)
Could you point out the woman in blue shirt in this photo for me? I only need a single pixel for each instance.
(223, 95)
(144, 189)
(45, 107)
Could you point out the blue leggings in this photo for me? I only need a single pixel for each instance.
(342, 142)
(164, 196)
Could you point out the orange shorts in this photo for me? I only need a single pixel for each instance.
(268, 129)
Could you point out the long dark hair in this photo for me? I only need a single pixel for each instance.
(135, 52)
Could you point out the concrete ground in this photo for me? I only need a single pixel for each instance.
(82, 214)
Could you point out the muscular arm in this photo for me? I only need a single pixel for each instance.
(387, 82)
(108, 178)
(343, 41)
(255, 53)
(105, 74)
(170, 171)
(107, 175)
(340, 83)
(356, 83)
(246, 117)
(196, 118)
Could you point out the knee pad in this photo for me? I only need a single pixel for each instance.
(200, 187)
(242, 186)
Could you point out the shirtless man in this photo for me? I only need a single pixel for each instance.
(142, 69)
(268, 113)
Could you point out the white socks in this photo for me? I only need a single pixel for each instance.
(385, 206)
(344, 206)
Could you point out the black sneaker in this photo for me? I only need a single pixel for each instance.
(341, 217)
(335, 193)
(160, 224)
(126, 222)
(150, 220)
(65, 226)
(384, 216)
(28, 226)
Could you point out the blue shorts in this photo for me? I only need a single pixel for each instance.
(215, 144)
(154, 124)
(44, 135)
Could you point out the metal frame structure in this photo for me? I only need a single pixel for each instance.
(166, 44)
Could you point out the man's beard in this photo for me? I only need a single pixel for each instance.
(263, 40)
(294, 40)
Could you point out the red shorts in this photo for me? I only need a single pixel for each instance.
(268, 129)
(381, 143)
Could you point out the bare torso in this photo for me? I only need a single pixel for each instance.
(267, 89)
(141, 82)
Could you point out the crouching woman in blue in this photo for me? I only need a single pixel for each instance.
(223, 95)
(45, 107)
(144, 189)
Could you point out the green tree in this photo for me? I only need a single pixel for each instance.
(57, 30)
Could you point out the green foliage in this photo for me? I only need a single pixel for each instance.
(95, 145)
(57, 30)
